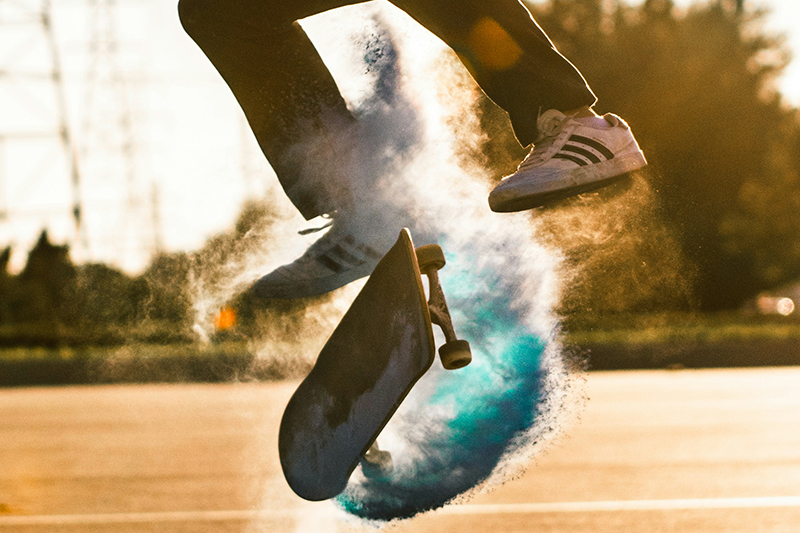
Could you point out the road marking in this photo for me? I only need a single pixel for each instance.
(125, 518)
(471, 509)
(625, 505)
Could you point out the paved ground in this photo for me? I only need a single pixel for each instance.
(656, 451)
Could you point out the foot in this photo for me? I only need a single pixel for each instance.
(570, 157)
(349, 250)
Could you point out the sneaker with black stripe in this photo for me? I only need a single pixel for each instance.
(570, 157)
(349, 250)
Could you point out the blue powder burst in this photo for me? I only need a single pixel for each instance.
(456, 429)
(491, 403)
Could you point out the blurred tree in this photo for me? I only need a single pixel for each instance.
(698, 90)
(101, 296)
(167, 293)
(51, 291)
(44, 280)
(5, 257)
(5, 286)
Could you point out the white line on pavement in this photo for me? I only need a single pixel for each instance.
(625, 505)
(125, 518)
(501, 508)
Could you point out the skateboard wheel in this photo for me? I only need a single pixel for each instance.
(377, 463)
(430, 255)
(455, 354)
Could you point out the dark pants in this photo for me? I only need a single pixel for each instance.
(286, 91)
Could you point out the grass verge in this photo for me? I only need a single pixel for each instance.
(142, 363)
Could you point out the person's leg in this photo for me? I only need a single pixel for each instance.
(290, 99)
(508, 54)
(547, 99)
(303, 127)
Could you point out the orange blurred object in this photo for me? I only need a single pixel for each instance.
(225, 319)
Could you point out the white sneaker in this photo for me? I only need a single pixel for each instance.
(569, 158)
(349, 250)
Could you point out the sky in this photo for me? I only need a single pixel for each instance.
(165, 156)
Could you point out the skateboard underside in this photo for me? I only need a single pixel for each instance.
(381, 348)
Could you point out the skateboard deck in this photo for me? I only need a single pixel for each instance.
(380, 349)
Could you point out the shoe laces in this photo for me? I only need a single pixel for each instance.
(308, 231)
(550, 124)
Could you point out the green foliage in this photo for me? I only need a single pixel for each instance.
(103, 296)
(54, 303)
(698, 90)
(38, 294)
(668, 328)
(165, 284)
(51, 299)
(141, 363)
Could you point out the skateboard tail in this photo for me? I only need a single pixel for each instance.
(321, 444)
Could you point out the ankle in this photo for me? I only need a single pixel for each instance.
(595, 121)
(581, 112)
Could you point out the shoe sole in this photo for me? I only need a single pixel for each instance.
(547, 198)
(268, 289)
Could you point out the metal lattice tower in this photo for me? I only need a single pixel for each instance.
(33, 106)
(109, 147)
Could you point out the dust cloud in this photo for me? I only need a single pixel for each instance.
(508, 280)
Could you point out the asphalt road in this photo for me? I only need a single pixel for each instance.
(654, 451)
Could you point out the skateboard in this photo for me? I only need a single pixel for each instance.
(383, 345)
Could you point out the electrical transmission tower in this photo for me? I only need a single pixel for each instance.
(109, 147)
(34, 119)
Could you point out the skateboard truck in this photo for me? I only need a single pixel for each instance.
(454, 353)
(377, 463)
